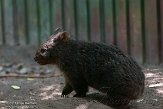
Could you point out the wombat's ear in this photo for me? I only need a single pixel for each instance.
(57, 31)
(64, 36)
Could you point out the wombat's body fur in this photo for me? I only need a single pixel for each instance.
(105, 68)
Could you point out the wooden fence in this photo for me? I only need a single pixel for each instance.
(135, 26)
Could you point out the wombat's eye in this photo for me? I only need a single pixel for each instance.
(42, 50)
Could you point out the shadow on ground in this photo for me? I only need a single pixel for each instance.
(45, 93)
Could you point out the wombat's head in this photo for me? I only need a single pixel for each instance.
(48, 51)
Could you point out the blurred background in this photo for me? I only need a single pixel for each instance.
(135, 26)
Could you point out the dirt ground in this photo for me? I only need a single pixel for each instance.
(45, 93)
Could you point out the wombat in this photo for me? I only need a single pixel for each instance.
(103, 67)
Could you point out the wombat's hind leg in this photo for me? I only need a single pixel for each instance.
(81, 88)
(118, 101)
(80, 93)
(67, 90)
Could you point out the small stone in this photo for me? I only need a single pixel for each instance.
(49, 71)
(19, 66)
(23, 71)
(8, 70)
(15, 87)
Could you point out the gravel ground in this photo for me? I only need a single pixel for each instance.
(26, 85)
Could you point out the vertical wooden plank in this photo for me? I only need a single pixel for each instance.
(128, 27)
(44, 20)
(31, 22)
(26, 22)
(135, 30)
(143, 31)
(102, 21)
(88, 20)
(2, 23)
(82, 20)
(161, 30)
(63, 13)
(75, 6)
(121, 25)
(151, 32)
(114, 22)
(8, 20)
(15, 21)
(95, 20)
(109, 21)
(20, 21)
(158, 3)
(56, 14)
(69, 17)
(51, 20)
(1, 31)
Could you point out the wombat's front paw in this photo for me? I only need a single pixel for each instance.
(66, 90)
(64, 96)
(64, 93)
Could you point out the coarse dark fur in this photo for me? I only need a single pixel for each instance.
(105, 68)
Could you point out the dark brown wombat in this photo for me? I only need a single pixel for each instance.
(105, 68)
